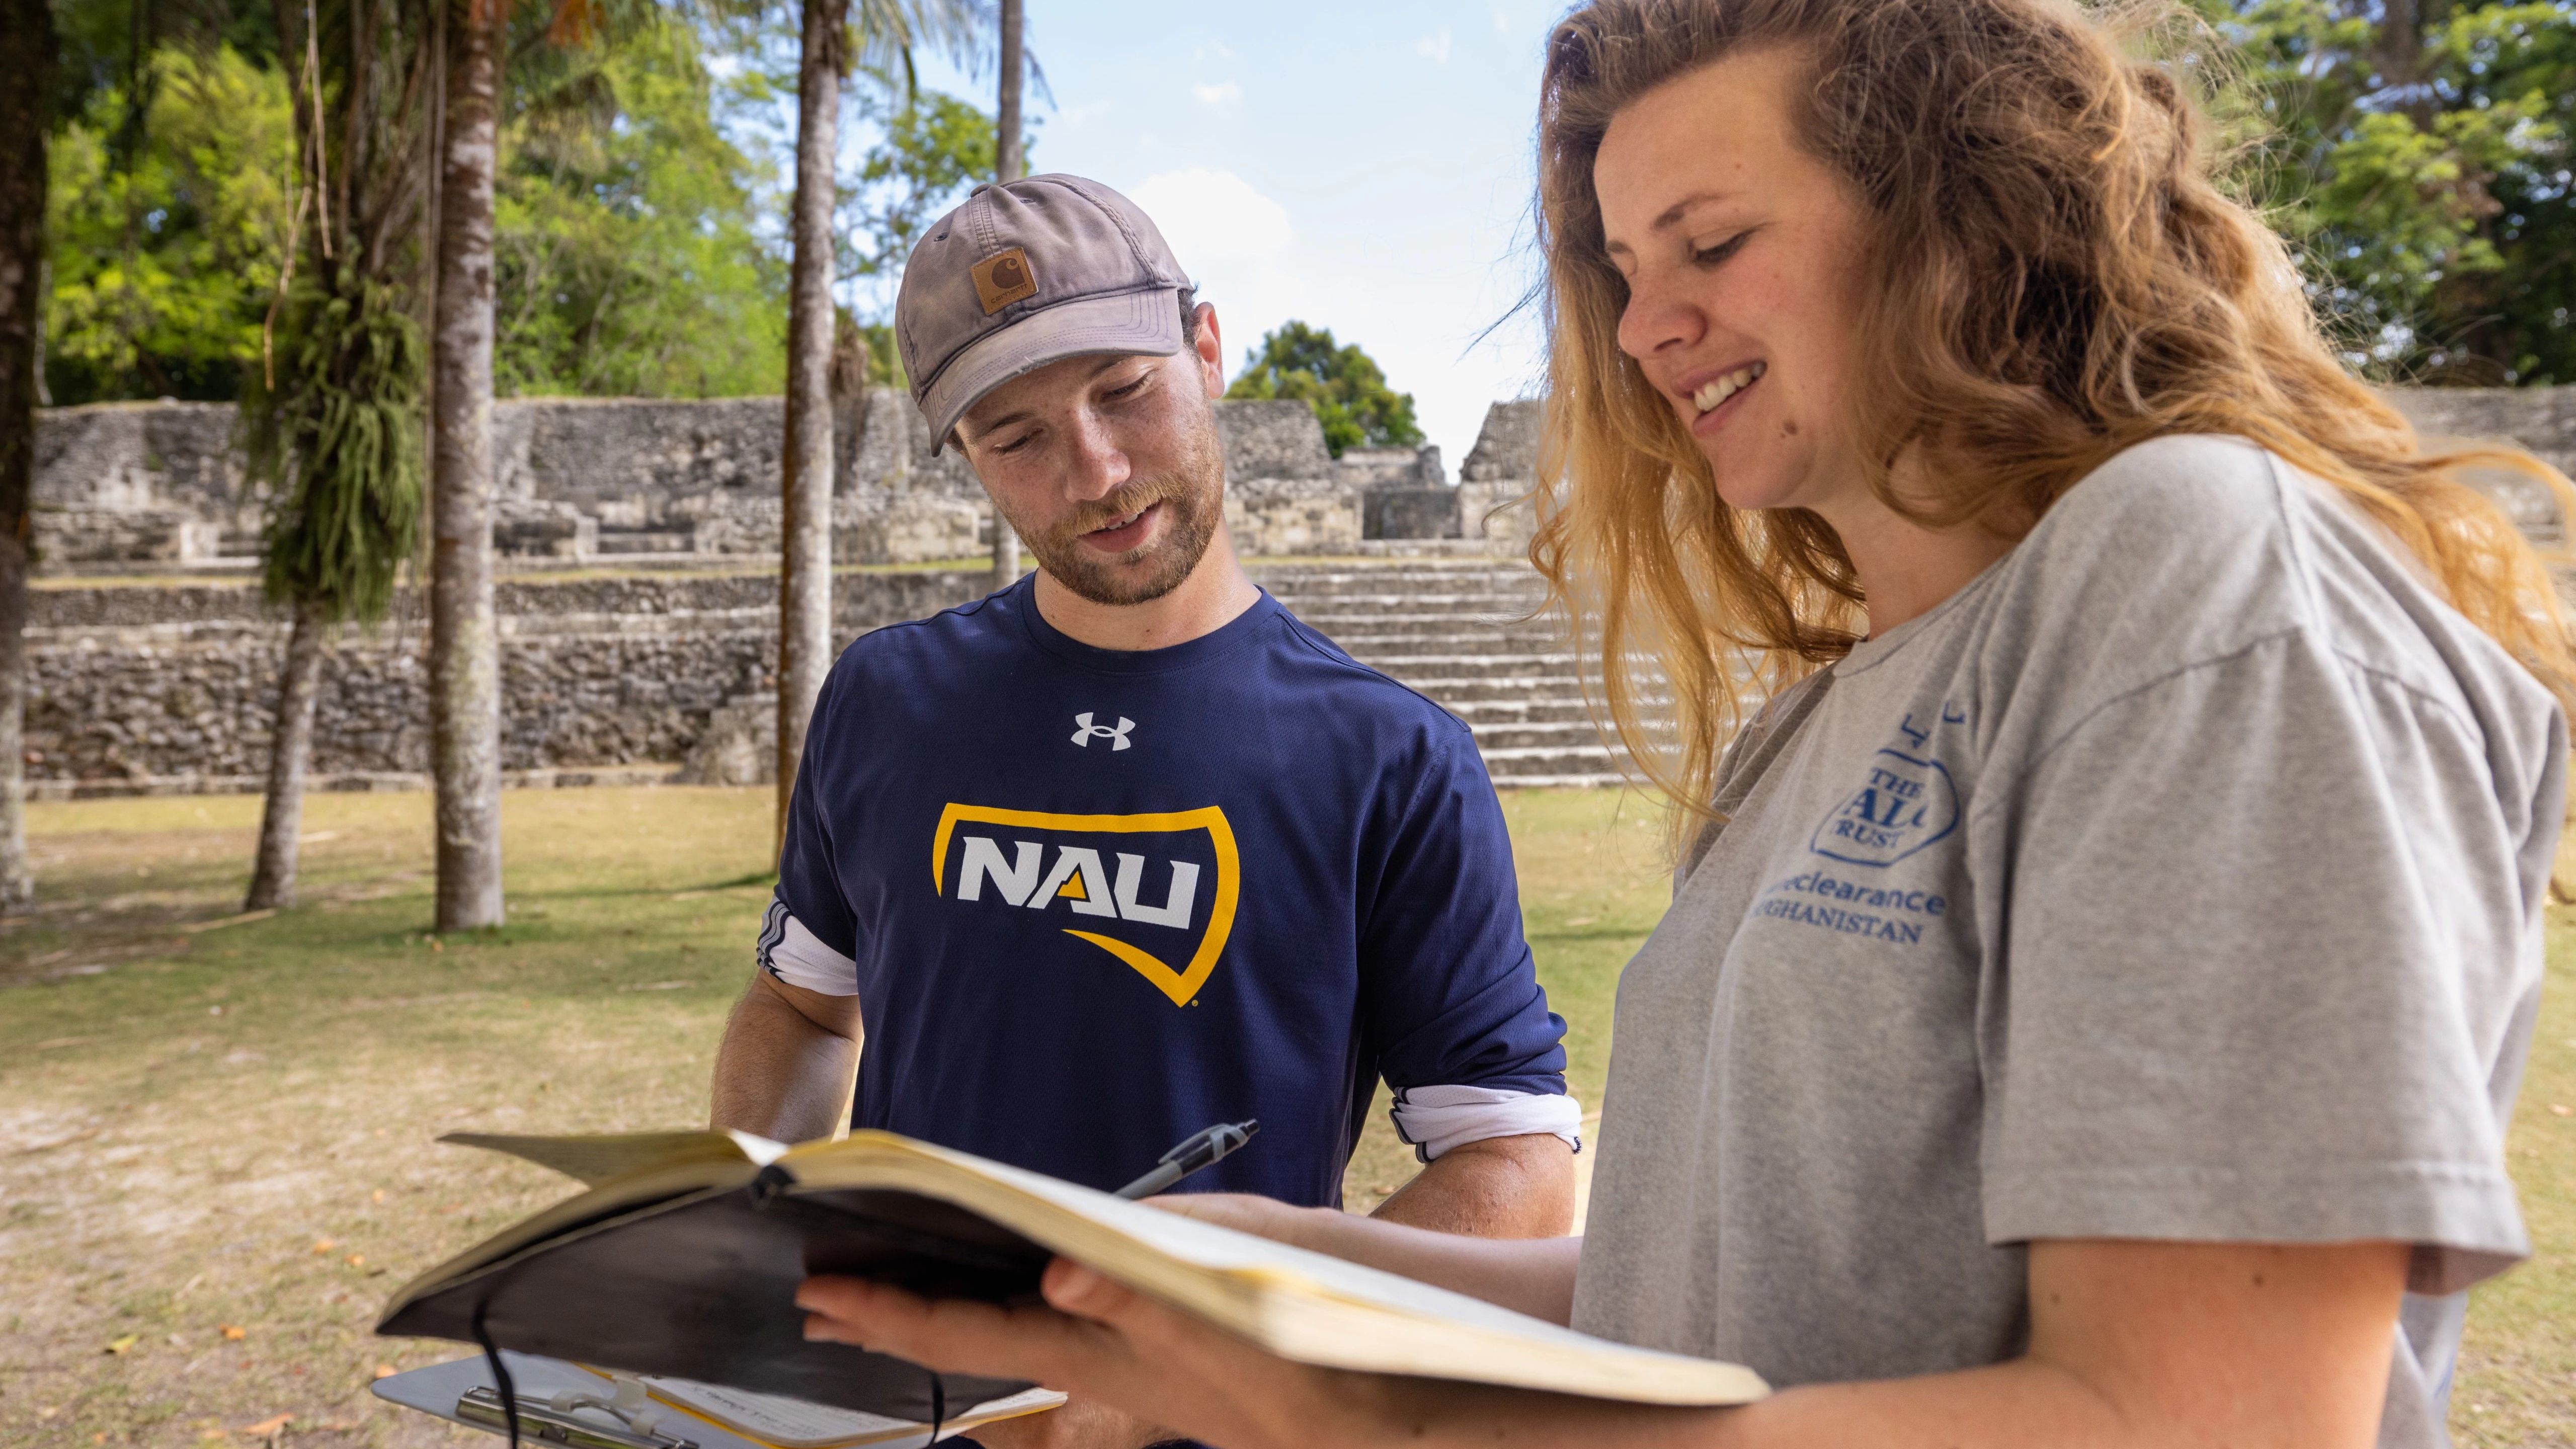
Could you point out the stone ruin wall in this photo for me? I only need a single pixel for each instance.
(166, 684)
(656, 673)
(155, 688)
(127, 487)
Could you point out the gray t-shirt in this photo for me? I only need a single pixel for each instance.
(2181, 877)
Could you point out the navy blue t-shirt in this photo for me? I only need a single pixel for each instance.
(1095, 900)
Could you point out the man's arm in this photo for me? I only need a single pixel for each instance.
(787, 1062)
(1499, 1187)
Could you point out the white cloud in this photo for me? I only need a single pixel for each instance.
(1213, 216)
(1434, 46)
(1223, 93)
(1212, 50)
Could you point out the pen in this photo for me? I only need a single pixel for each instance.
(1200, 1150)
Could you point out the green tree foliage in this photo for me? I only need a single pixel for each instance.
(1342, 384)
(629, 257)
(163, 270)
(340, 441)
(115, 44)
(2421, 152)
(931, 148)
(334, 415)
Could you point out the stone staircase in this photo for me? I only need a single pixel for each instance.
(1461, 633)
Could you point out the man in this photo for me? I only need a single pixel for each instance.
(1186, 861)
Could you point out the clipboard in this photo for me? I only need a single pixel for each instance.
(677, 1414)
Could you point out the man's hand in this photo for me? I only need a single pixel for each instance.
(1079, 1424)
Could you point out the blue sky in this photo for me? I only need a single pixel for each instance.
(1363, 167)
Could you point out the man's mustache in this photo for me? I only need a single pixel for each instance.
(1135, 498)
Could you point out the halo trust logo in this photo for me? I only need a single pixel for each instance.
(1907, 803)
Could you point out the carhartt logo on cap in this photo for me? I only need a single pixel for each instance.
(1004, 278)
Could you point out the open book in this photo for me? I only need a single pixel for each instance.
(683, 1258)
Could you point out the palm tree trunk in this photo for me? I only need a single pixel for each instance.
(26, 103)
(1009, 164)
(464, 641)
(290, 749)
(805, 542)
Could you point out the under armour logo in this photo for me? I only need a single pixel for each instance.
(1085, 731)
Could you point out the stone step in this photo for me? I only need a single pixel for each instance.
(1488, 641)
(652, 541)
(1410, 668)
(1310, 581)
(1558, 782)
(1450, 689)
(1430, 596)
(1340, 609)
(1337, 622)
(1521, 761)
(1567, 708)
(1534, 734)
(1322, 590)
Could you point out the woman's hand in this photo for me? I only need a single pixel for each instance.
(1263, 1217)
(1099, 1340)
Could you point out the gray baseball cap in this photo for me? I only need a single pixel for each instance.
(1026, 273)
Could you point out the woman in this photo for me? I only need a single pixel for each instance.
(2092, 999)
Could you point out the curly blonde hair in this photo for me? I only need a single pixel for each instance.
(2053, 273)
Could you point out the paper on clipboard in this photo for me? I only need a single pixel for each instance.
(783, 1423)
(706, 1416)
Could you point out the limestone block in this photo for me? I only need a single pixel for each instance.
(738, 747)
(577, 448)
(1507, 445)
(1409, 511)
(1499, 512)
(877, 527)
(67, 538)
(727, 521)
(1391, 467)
(873, 440)
(552, 529)
(2539, 419)
(1269, 516)
(128, 483)
(1272, 439)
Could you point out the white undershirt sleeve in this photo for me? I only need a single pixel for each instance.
(1435, 1119)
(798, 957)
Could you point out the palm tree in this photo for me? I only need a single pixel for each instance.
(1010, 163)
(339, 441)
(27, 38)
(886, 34)
(464, 635)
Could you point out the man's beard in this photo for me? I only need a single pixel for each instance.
(1193, 500)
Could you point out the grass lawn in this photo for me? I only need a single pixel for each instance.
(215, 1136)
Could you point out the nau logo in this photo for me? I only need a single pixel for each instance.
(1038, 861)
(1084, 731)
(1002, 279)
(1906, 804)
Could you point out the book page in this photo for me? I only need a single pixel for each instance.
(595, 1160)
(1305, 1305)
(1223, 1249)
